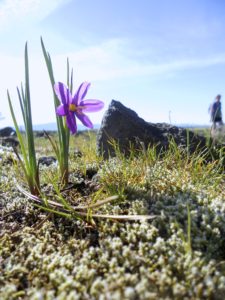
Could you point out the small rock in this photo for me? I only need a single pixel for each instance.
(47, 160)
(39, 134)
(9, 142)
(91, 170)
(77, 153)
(42, 133)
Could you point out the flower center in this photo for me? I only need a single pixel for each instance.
(72, 107)
(78, 109)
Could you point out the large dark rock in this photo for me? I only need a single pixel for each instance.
(7, 131)
(125, 127)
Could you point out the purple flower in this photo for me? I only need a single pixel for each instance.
(75, 106)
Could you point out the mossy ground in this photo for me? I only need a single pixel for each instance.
(180, 254)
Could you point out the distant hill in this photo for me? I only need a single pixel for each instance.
(192, 125)
(53, 127)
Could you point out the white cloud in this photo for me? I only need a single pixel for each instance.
(14, 11)
(105, 62)
(108, 61)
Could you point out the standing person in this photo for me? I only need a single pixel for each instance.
(216, 112)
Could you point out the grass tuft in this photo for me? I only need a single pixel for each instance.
(86, 240)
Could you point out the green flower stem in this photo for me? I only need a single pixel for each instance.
(63, 131)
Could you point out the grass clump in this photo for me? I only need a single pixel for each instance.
(177, 255)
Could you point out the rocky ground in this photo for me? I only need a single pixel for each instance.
(177, 255)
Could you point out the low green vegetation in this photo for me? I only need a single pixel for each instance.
(176, 254)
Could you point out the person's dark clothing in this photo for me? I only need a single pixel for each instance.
(216, 113)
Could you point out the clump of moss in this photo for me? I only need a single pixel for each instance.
(177, 255)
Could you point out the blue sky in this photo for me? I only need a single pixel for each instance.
(165, 59)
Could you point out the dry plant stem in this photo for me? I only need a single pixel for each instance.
(39, 225)
(78, 209)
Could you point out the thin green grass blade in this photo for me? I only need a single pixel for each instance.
(71, 81)
(28, 115)
(97, 204)
(54, 145)
(29, 126)
(21, 103)
(69, 76)
(52, 80)
(68, 72)
(57, 212)
(48, 63)
(19, 135)
(63, 201)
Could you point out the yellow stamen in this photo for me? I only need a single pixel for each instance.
(72, 107)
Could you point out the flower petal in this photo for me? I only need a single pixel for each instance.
(63, 93)
(84, 119)
(71, 122)
(91, 105)
(61, 110)
(81, 93)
